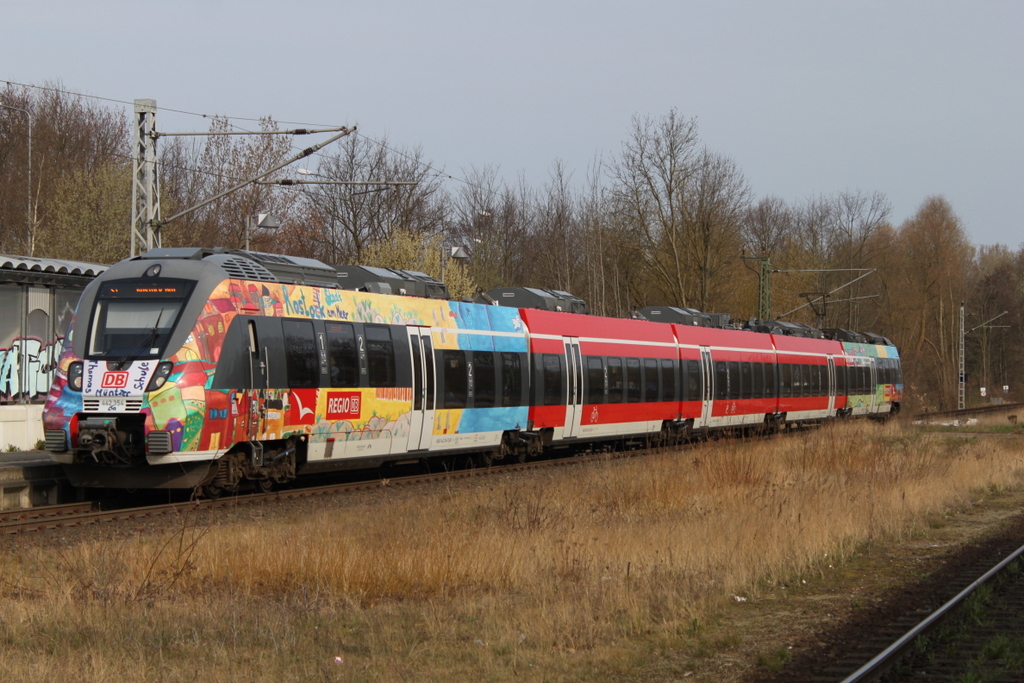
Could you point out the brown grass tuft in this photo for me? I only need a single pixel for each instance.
(576, 574)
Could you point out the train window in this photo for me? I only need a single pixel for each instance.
(300, 356)
(721, 380)
(769, 380)
(798, 380)
(694, 389)
(840, 380)
(747, 384)
(134, 319)
(484, 379)
(595, 379)
(552, 379)
(380, 356)
(668, 380)
(650, 379)
(759, 370)
(615, 385)
(633, 385)
(417, 377)
(785, 380)
(428, 362)
(455, 374)
(342, 360)
(823, 379)
(734, 380)
(815, 380)
(511, 380)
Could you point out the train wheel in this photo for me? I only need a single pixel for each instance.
(264, 485)
(212, 491)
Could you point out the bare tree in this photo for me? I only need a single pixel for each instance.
(650, 180)
(71, 138)
(767, 227)
(345, 219)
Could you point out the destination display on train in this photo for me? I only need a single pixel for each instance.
(147, 288)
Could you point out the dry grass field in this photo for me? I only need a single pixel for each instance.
(585, 573)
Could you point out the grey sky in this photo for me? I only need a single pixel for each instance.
(907, 98)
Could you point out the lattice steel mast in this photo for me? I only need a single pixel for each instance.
(145, 184)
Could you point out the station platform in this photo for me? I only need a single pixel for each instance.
(29, 479)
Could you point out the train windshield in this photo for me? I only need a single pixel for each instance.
(134, 319)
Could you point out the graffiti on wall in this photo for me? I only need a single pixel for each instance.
(26, 368)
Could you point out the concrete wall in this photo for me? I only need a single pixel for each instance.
(21, 426)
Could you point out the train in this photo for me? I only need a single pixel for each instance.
(216, 370)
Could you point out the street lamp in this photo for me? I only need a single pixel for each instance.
(28, 233)
(457, 253)
(260, 220)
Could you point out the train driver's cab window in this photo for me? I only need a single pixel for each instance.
(135, 318)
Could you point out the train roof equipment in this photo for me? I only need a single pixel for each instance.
(795, 329)
(391, 281)
(842, 335)
(254, 265)
(679, 316)
(532, 297)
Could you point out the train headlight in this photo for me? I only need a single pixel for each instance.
(75, 371)
(163, 371)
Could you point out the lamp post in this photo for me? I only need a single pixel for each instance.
(456, 252)
(28, 232)
(260, 220)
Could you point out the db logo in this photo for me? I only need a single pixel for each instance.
(114, 380)
(343, 405)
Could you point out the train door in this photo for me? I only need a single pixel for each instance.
(574, 389)
(873, 373)
(707, 384)
(258, 383)
(422, 423)
(831, 385)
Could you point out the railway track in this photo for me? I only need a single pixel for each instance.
(961, 637)
(87, 513)
(963, 621)
(971, 412)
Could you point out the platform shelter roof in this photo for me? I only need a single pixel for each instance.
(44, 271)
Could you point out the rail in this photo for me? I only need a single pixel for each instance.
(888, 657)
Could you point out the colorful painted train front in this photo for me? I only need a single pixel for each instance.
(222, 369)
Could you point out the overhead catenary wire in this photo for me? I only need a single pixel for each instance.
(437, 173)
